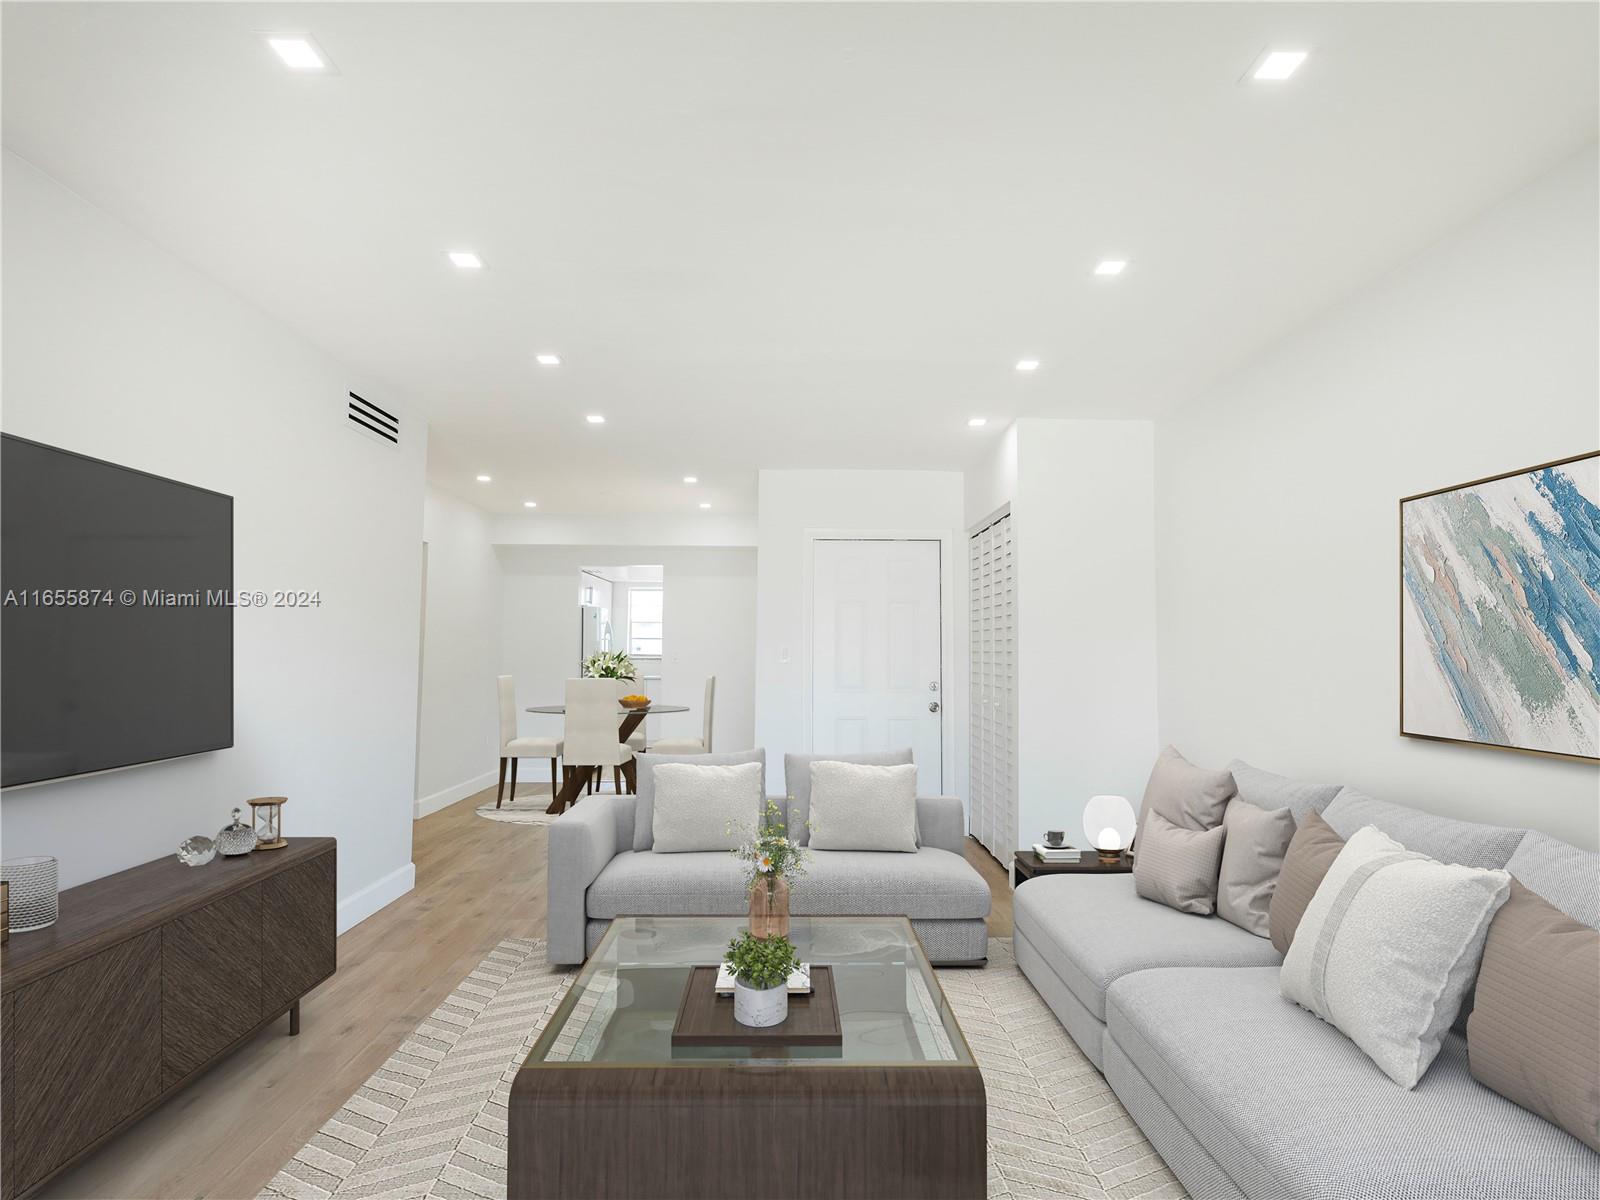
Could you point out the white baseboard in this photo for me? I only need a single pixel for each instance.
(381, 892)
(451, 794)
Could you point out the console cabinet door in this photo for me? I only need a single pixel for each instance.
(297, 931)
(210, 981)
(86, 1054)
(7, 1186)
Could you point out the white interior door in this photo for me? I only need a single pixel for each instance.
(876, 676)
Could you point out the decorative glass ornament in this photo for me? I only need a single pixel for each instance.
(236, 839)
(33, 898)
(196, 851)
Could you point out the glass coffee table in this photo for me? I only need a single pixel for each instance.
(606, 1106)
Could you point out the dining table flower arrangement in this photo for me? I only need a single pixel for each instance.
(608, 664)
(771, 859)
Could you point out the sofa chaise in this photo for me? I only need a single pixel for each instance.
(601, 867)
(1245, 1094)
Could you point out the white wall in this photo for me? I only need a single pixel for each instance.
(791, 504)
(1083, 533)
(709, 630)
(116, 349)
(642, 529)
(1277, 504)
(991, 483)
(458, 730)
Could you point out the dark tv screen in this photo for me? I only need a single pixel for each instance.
(117, 626)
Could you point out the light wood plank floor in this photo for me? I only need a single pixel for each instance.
(226, 1135)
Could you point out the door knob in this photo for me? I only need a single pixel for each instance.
(933, 706)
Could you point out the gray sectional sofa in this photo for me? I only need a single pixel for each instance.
(1244, 1093)
(599, 870)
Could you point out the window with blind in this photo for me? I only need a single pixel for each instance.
(644, 621)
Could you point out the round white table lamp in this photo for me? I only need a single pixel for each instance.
(1109, 824)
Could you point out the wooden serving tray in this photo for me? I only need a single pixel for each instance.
(706, 1019)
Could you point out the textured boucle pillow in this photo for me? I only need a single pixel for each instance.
(797, 779)
(705, 808)
(644, 804)
(1388, 947)
(858, 806)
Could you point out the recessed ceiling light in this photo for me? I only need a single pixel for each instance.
(298, 52)
(483, 479)
(705, 504)
(691, 479)
(530, 504)
(595, 419)
(465, 259)
(1278, 65)
(977, 422)
(548, 360)
(1111, 266)
(1027, 364)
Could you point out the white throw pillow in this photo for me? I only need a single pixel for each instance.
(859, 807)
(705, 808)
(1388, 947)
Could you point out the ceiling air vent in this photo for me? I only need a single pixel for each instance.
(370, 420)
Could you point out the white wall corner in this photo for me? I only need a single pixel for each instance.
(453, 794)
(378, 894)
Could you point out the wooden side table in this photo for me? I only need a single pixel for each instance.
(1027, 864)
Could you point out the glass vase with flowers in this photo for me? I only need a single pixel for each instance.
(771, 860)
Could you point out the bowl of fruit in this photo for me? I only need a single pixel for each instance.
(635, 702)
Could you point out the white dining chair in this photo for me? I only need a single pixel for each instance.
(513, 747)
(591, 733)
(699, 745)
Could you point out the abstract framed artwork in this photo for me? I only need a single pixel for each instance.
(1500, 611)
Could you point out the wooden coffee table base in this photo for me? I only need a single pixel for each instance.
(583, 1131)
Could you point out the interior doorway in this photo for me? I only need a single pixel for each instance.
(877, 676)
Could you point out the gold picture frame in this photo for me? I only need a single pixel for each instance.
(1429, 588)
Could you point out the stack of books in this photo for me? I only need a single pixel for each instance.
(799, 980)
(1054, 853)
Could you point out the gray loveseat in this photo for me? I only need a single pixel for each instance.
(1247, 1095)
(601, 867)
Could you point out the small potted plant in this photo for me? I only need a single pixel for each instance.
(770, 860)
(761, 968)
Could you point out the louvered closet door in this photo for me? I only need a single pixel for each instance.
(991, 635)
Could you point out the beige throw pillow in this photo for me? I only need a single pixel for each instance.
(1534, 1033)
(1311, 852)
(1252, 857)
(1188, 796)
(1177, 867)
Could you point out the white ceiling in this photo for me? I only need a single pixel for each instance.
(775, 235)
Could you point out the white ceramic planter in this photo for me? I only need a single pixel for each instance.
(760, 1008)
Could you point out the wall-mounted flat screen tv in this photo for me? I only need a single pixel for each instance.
(117, 625)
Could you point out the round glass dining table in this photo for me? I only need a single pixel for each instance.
(572, 785)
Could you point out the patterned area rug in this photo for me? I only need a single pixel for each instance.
(527, 808)
(524, 810)
(432, 1121)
